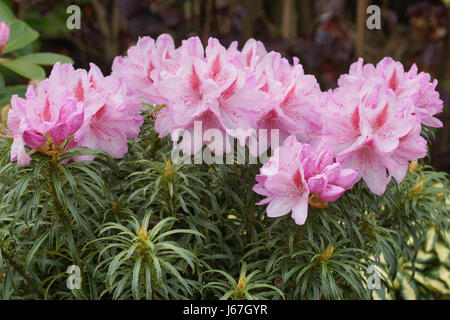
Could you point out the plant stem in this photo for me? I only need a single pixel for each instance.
(59, 208)
(20, 269)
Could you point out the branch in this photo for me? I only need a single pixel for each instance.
(20, 269)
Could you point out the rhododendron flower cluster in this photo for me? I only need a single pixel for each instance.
(4, 35)
(224, 88)
(373, 120)
(368, 127)
(414, 92)
(297, 172)
(73, 108)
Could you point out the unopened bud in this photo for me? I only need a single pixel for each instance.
(315, 201)
(413, 165)
(168, 170)
(4, 35)
(143, 235)
(326, 255)
(115, 208)
(417, 190)
(242, 283)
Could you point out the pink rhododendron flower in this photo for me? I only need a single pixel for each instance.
(141, 67)
(251, 54)
(365, 133)
(192, 97)
(426, 102)
(109, 126)
(17, 125)
(295, 105)
(413, 91)
(225, 89)
(4, 35)
(59, 116)
(208, 88)
(42, 117)
(298, 171)
(74, 108)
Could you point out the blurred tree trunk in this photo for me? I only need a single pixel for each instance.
(251, 8)
(445, 133)
(109, 29)
(306, 18)
(287, 19)
(360, 26)
(207, 24)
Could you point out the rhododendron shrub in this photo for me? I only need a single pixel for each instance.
(88, 180)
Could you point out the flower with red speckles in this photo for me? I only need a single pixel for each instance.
(297, 171)
(412, 90)
(74, 108)
(225, 89)
(109, 125)
(47, 115)
(367, 133)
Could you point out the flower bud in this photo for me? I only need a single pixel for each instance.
(326, 255)
(4, 35)
(143, 235)
(242, 283)
(168, 170)
(413, 165)
(417, 190)
(316, 202)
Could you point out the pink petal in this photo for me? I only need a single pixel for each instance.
(317, 183)
(331, 193)
(279, 206)
(300, 210)
(18, 152)
(33, 139)
(347, 178)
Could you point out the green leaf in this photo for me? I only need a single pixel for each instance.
(7, 93)
(46, 58)
(148, 282)
(227, 295)
(2, 84)
(24, 68)
(135, 281)
(34, 249)
(431, 239)
(443, 252)
(5, 13)
(20, 35)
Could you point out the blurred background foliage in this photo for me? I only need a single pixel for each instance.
(327, 35)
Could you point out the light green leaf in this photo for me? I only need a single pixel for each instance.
(5, 13)
(2, 84)
(34, 249)
(432, 284)
(444, 275)
(6, 94)
(46, 58)
(431, 239)
(20, 35)
(135, 281)
(408, 288)
(24, 68)
(443, 253)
